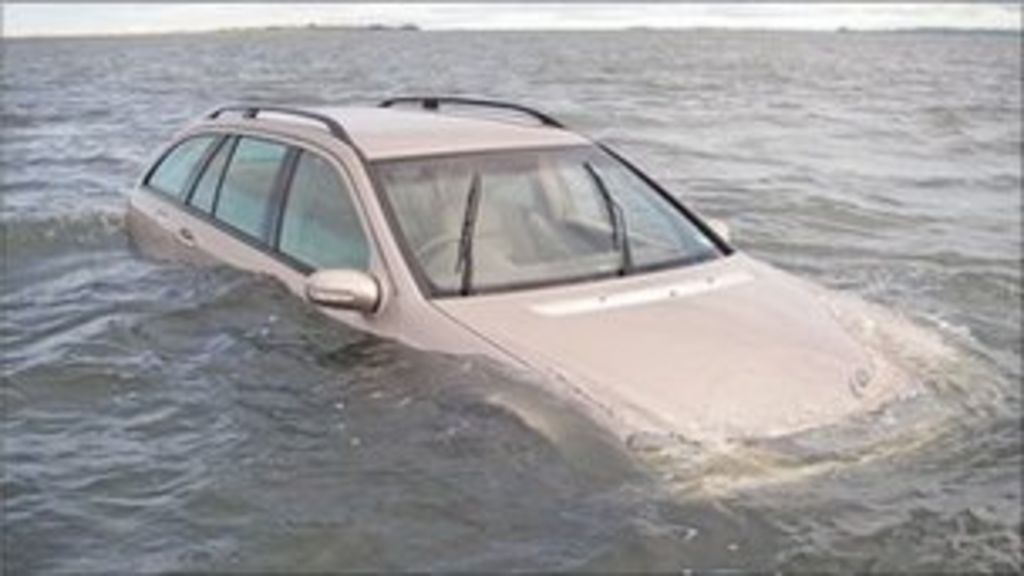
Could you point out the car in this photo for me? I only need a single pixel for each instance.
(474, 226)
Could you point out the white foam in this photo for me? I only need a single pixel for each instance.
(913, 364)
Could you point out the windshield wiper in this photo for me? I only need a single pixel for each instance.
(620, 233)
(465, 259)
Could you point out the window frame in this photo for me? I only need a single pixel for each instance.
(228, 141)
(196, 171)
(282, 187)
(281, 180)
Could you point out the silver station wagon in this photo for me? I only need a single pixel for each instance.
(478, 227)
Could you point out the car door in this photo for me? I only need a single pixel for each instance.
(233, 200)
(155, 215)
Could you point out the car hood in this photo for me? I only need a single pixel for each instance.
(730, 348)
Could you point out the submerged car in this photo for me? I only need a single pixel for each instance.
(479, 227)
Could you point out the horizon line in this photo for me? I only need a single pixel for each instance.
(412, 27)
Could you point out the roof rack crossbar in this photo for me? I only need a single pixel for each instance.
(252, 110)
(434, 103)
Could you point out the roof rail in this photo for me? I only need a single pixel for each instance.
(252, 110)
(434, 103)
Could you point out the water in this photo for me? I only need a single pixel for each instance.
(160, 416)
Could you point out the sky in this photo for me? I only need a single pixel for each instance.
(21, 20)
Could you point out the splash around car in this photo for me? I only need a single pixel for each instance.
(472, 226)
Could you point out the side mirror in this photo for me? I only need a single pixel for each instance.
(719, 227)
(345, 289)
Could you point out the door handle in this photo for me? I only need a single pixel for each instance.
(186, 237)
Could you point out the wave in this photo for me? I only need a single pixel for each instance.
(941, 387)
(25, 238)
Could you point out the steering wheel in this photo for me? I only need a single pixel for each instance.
(431, 249)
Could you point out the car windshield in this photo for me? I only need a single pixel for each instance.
(486, 222)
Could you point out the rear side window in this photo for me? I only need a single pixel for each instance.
(206, 189)
(175, 170)
(245, 196)
(321, 227)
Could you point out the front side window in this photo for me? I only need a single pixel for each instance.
(245, 201)
(518, 219)
(175, 170)
(321, 227)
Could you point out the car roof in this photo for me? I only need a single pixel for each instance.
(395, 133)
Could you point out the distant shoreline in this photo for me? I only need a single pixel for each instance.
(412, 28)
